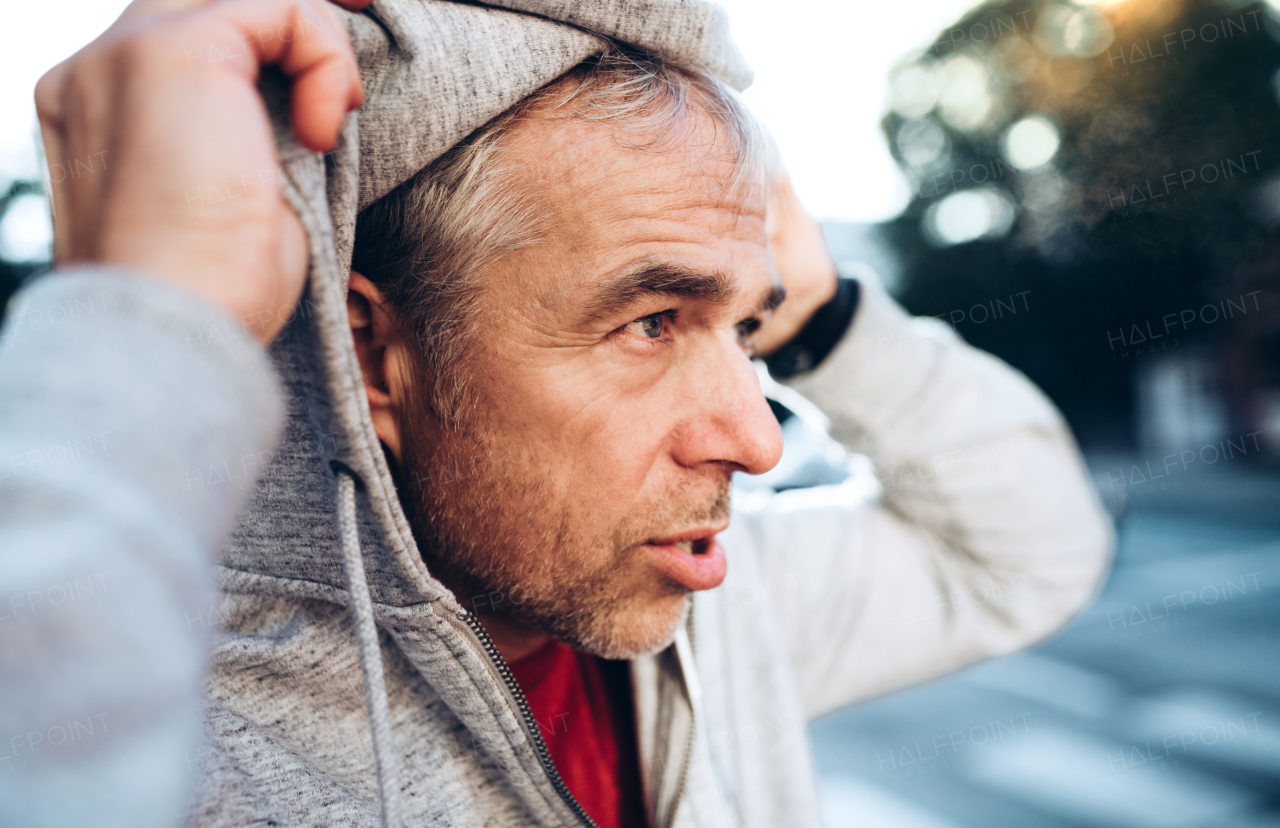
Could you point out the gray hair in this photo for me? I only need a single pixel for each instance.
(427, 244)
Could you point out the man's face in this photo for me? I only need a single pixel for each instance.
(617, 396)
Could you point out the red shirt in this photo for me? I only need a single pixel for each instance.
(583, 708)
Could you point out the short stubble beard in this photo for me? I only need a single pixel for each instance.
(484, 530)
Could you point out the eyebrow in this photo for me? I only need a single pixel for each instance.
(663, 278)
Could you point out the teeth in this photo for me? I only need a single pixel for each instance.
(686, 546)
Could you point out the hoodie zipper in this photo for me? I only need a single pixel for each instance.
(530, 723)
(688, 747)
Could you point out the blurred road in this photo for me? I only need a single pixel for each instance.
(1159, 706)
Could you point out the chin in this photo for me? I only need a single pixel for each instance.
(634, 631)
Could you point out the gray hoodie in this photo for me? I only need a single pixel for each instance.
(347, 686)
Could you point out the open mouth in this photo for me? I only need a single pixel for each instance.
(698, 546)
(693, 559)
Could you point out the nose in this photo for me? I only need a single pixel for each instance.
(729, 422)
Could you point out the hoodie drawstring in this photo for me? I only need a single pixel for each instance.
(375, 688)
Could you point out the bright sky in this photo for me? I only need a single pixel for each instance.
(822, 80)
(821, 83)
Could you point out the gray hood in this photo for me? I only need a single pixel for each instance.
(432, 73)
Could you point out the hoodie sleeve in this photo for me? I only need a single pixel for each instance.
(119, 398)
(986, 535)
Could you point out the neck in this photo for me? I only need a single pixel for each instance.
(513, 640)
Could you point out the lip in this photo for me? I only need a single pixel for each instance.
(704, 570)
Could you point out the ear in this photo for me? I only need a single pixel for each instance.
(380, 350)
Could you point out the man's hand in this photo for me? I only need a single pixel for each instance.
(803, 263)
(188, 191)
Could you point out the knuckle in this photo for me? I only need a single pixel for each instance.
(48, 93)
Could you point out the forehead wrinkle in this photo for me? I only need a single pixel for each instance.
(656, 277)
(569, 155)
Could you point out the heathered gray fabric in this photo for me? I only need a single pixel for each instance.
(833, 595)
(435, 71)
(110, 423)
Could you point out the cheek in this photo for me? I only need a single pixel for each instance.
(613, 446)
(609, 467)
(595, 428)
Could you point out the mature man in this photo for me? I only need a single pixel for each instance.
(488, 575)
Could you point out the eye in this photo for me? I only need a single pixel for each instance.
(649, 327)
(746, 328)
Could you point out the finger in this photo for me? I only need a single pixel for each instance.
(327, 90)
(310, 46)
(321, 99)
(354, 94)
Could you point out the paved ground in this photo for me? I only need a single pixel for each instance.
(1159, 706)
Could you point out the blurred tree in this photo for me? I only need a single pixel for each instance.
(14, 274)
(1119, 163)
